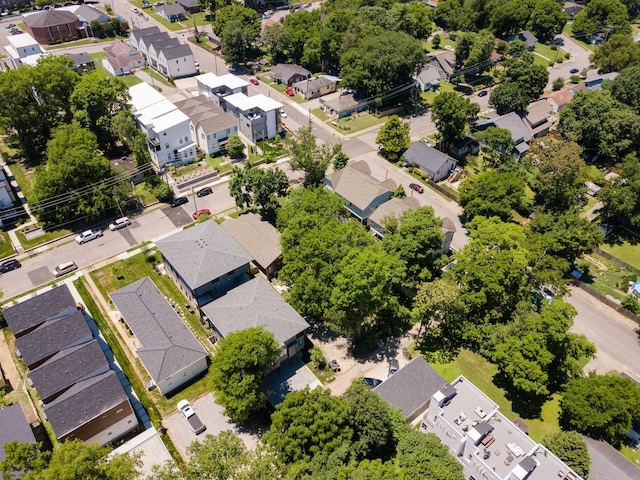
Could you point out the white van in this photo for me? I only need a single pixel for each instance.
(64, 268)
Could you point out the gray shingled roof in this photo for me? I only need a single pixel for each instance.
(84, 401)
(138, 33)
(177, 51)
(49, 18)
(285, 71)
(52, 337)
(510, 121)
(427, 158)
(171, 9)
(149, 38)
(393, 208)
(14, 426)
(68, 367)
(256, 236)
(163, 44)
(314, 83)
(410, 389)
(36, 310)
(203, 253)
(188, 3)
(253, 304)
(216, 123)
(357, 187)
(168, 346)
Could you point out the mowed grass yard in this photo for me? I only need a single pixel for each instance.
(481, 372)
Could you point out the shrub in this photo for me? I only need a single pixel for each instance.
(317, 358)
(558, 83)
(575, 79)
(631, 303)
(567, 55)
(553, 47)
(560, 60)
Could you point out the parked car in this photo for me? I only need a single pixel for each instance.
(191, 417)
(9, 26)
(372, 382)
(204, 192)
(177, 201)
(9, 265)
(254, 80)
(574, 70)
(202, 211)
(483, 93)
(16, 32)
(394, 366)
(283, 114)
(289, 91)
(416, 187)
(119, 223)
(64, 268)
(88, 235)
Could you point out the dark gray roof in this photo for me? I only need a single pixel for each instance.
(188, 3)
(68, 367)
(203, 253)
(159, 45)
(138, 33)
(150, 38)
(410, 389)
(52, 337)
(49, 18)
(171, 9)
(34, 311)
(168, 346)
(14, 426)
(528, 38)
(177, 51)
(287, 70)
(79, 59)
(314, 83)
(255, 304)
(427, 158)
(84, 401)
(483, 428)
(510, 121)
(528, 464)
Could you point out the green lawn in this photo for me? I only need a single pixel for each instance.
(128, 80)
(547, 52)
(480, 372)
(6, 248)
(24, 176)
(605, 276)
(85, 41)
(157, 77)
(430, 95)
(624, 247)
(361, 122)
(144, 194)
(47, 237)
(219, 163)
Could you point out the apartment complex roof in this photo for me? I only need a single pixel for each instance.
(258, 237)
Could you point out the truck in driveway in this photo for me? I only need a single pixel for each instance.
(191, 417)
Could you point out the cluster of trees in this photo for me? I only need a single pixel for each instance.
(238, 27)
(599, 16)
(374, 44)
(313, 159)
(544, 18)
(115, 26)
(258, 188)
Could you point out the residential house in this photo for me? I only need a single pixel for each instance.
(485, 442)
(166, 127)
(7, 196)
(560, 98)
(81, 61)
(361, 192)
(259, 238)
(51, 337)
(536, 118)
(191, 6)
(173, 12)
(128, 166)
(177, 61)
(525, 36)
(594, 80)
(435, 164)
(210, 125)
(169, 351)
(83, 398)
(204, 261)
(571, 9)
(95, 410)
(410, 389)
(217, 88)
(464, 146)
(443, 62)
(52, 24)
(155, 47)
(429, 79)
(258, 115)
(14, 427)
(147, 40)
(315, 87)
(394, 208)
(257, 304)
(520, 134)
(288, 74)
(137, 34)
(343, 106)
(121, 58)
(23, 49)
(66, 368)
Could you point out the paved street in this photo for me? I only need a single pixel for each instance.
(579, 59)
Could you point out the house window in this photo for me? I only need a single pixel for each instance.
(181, 142)
(177, 61)
(166, 145)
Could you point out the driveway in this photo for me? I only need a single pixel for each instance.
(214, 419)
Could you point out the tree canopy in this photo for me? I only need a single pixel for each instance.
(621, 198)
(599, 15)
(571, 448)
(258, 187)
(237, 26)
(492, 194)
(453, 115)
(393, 136)
(626, 87)
(312, 158)
(617, 53)
(239, 366)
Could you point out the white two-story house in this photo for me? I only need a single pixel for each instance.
(23, 49)
(176, 61)
(216, 88)
(258, 115)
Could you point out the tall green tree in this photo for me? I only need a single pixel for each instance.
(547, 19)
(499, 143)
(95, 100)
(258, 187)
(509, 97)
(617, 53)
(600, 405)
(626, 87)
(238, 26)
(238, 370)
(310, 157)
(571, 448)
(601, 14)
(453, 115)
(474, 48)
(621, 198)
(125, 129)
(434, 303)
(491, 194)
(423, 455)
(393, 137)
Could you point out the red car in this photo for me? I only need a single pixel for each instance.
(416, 187)
(289, 91)
(254, 80)
(202, 211)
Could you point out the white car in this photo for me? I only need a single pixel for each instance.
(119, 223)
(283, 114)
(88, 235)
(191, 417)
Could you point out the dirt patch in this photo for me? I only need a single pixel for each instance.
(596, 262)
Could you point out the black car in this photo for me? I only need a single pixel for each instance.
(574, 70)
(372, 382)
(176, 202)
(9, 265)
(204, 191)
(483, 93)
